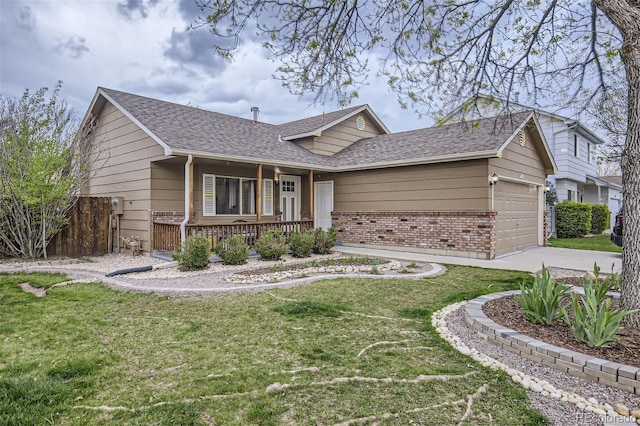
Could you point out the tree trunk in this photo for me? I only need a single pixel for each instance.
(625, 16)
(630, 298)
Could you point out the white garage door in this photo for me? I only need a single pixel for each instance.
(517, 218)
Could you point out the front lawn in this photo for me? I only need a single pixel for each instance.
(597, 242)
(349, 351)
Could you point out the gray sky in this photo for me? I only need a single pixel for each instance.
(144, 47)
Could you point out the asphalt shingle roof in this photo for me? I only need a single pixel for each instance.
(186, 129)
(486, 135)
(307, 125)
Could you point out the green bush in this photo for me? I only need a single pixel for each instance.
(594, 322)
(600, 217)
(233, 250)
(573, 220)
(271, 245)
(301, 243)
(541, 303)
(194, 254)
(324, 240)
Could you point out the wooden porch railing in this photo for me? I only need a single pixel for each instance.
(167, 236)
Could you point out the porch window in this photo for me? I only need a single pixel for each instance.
(224, 195)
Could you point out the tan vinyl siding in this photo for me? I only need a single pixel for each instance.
(306, 143)
(439, 187)
(520, 162)
(167, 184)
(122, 169)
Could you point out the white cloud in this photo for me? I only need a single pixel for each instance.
(144, 47)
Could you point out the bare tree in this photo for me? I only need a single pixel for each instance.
(610, 114)
(440, 51)
(44, 161)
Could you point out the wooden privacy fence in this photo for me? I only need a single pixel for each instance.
(87, 233)
(167, 236)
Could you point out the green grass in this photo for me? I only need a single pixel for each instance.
(86, 354)
(597, 242)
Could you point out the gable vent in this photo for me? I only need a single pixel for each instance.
(523, 138)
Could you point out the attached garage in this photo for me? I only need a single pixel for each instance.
(518, 224)
(443, 203)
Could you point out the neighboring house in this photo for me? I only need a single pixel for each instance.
(572, 145)
(614, 195)
(183, 168)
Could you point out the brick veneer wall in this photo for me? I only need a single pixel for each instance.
(461, 233)
(174, 217)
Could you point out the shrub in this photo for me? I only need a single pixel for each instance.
(271, 245)
(595, 324)
(600, 217)
(301, 243)
(325, 240)
(573, 220)
(541, 303)
(194, 253)
(233, 250)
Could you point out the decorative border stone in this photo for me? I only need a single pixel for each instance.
(576, 364)
(618, 413)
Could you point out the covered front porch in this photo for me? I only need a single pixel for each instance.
(219, 199)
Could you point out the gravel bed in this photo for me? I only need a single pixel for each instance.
(559, 413)
(100, 264)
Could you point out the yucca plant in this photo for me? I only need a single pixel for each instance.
(594, 322)
(541, 303)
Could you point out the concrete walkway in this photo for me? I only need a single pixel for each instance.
(530, 260)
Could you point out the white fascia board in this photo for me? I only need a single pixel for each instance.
(322, 168)
(253, 160)
(420, 161)
(342, 118)
(167, 148)
(92, 105)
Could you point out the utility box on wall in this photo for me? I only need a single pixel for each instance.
(117, 205)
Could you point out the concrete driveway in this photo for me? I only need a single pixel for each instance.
(528, 260)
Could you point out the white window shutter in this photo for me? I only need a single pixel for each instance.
(267, 197)
(208, 195)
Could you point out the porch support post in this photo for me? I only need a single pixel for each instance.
(259, 194)
(311, 194)
(600, 195)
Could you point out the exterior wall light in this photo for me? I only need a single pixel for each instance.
(493, 179)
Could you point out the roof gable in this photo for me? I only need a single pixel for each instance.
(314, 126)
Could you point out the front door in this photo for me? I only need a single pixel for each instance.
(290, 197)
(323, 204)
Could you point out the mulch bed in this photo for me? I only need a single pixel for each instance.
(506, 311)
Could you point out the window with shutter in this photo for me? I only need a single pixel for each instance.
(267, 197)
(208, 195)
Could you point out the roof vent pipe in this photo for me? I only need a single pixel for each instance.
(255, 110)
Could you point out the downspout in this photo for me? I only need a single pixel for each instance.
(187, 196)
